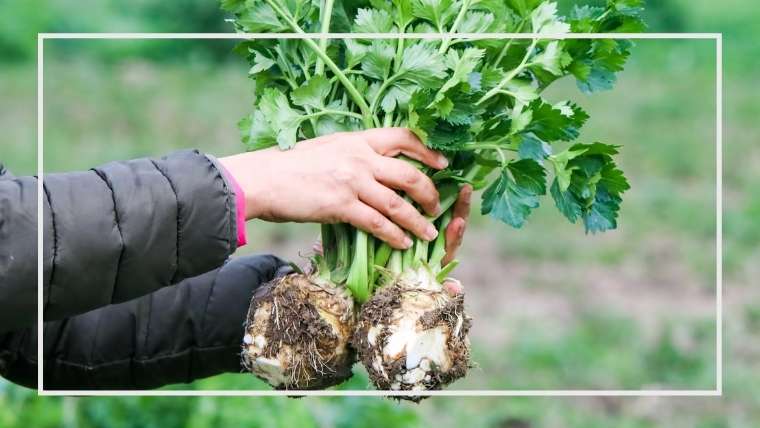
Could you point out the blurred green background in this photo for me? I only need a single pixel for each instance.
(554, 309)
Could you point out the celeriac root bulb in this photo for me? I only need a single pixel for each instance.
(297, 333)
(413, 335)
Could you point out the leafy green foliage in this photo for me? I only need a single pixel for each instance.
(282, 119)
(478, 101)
(312, 93)
(515, 192)
(588, 184)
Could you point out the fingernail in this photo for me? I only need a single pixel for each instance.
(430, 232)
(437, 209)
(407, 242)
(442, 161)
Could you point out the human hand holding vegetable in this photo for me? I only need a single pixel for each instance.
(348, 177)
(454, 235)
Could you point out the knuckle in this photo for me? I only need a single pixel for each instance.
(411, 177)
(349, 169)
(395, 202)
(343, 199)
(376, 223)
(344, 174)
(346, 216)
(406, 134)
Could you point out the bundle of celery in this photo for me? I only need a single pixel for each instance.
(478, 101)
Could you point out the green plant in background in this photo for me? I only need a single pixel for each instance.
(478, 101)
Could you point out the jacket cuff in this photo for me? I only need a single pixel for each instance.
(240, 207)
(240, 211)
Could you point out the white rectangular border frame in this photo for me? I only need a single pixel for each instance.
(717, 391)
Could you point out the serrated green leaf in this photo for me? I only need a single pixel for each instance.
(329, 125)
(531, 147)
(551, 124)
(529, 175)
(283, 119)
(355, 52)
(602, 214)
(260, 63)
(522, 90)
(397, 95)
(377, 60)
(260, 18)
(461, 67)
(476, 22)
(521, 118)
(544, 19)
(562, 171)
(462, 112)
(490, 76)
(595, 70)
(255, 132)
(505, 200)
(423, 65)
(359, 82)
(438, 12)
(613, 179)
(583, 19)
(446, 137)
(595, 186)
(372, 21)
(551, 59)
(444, 106)
(565, 108)
(313, 93)
(566, 202)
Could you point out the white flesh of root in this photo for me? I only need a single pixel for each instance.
(423, 344)
(291, 350)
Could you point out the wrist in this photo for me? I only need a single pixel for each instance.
(245, 169)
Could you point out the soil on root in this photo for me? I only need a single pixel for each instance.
(306, 329)
(383, 310)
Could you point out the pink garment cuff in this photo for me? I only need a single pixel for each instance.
(239, 208)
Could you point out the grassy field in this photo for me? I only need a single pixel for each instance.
(555, 309)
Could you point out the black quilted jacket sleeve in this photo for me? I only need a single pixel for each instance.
(125, 229)
(177, 334)
(111, 235)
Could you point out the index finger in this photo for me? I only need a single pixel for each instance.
(395, 141)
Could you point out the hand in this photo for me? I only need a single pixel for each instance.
(454, 235)
(345, 177)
